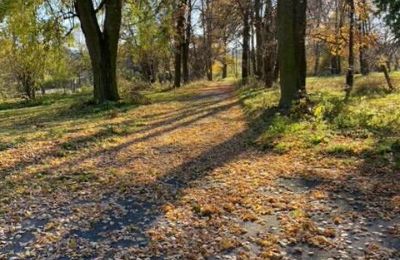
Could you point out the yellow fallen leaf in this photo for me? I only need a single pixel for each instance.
(319, 241)
(227, 244)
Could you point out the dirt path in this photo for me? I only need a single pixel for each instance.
(187, 184)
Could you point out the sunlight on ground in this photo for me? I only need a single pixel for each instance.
(191, 174)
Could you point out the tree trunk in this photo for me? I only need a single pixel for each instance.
(186, 48)
(350, 71)
(258, 6)
(236, 61)
(102, 46)
(207, 24)
(224, 71)
(363, 28)
(179, 44)
(291, 38)
(316, 53)
(28, 86)
(270, 52)
(336, 66)
(246, 43)
(364, 69)
(253, 67)
(387, 77)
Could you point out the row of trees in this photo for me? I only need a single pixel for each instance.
(343, 37)
(185, 39)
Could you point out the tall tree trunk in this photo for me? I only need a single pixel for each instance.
(246, 46)
(350, 71)
(270, 48)
(301, 21)
(316, 54)
(102, 46)
(291, 38)
(236, 61)
(179, 44)
(317, 51)
(336, 66)
(207, 24)
(258, 6)
(224, 70)
(364, 68)
(185, 58)
(253, 69)
(363, 29)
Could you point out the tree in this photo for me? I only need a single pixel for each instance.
(179, 42)
(4, 7)
(102, 45)
(364, 35)
(258, 24)
(30, 41)
(186, 45)
(391, 10)
(245, 12)
(270, 68)
(147, 35)
(350, 70)
(207, 19)
(291, 50)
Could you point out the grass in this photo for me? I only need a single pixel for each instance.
(65, 125)
(366, 126)
(183, 158)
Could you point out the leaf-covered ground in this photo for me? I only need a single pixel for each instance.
(182, 178)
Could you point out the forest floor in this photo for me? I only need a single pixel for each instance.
(203, 172)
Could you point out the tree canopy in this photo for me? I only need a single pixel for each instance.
(391, 10)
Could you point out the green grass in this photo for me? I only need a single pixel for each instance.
(37, 136)
(66, 124)
(368, 124)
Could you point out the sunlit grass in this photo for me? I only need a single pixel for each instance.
(366, 125)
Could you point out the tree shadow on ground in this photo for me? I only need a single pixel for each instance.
(198, 111)
(178, 119)
(142, 209)
(140, 206)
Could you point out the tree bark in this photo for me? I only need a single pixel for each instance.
(291, 50)
(253, 68)
(270, 52)
(186, 48)
(207, 14)
(258, 6)
(387, 77)
(246, 46)
(336, 65)
(224, 71)
(350, 71)
(317, 54)
(363, 29)
(364, 68)
(28, 85)
(317, 51)
(179, 44)
(102, 45)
